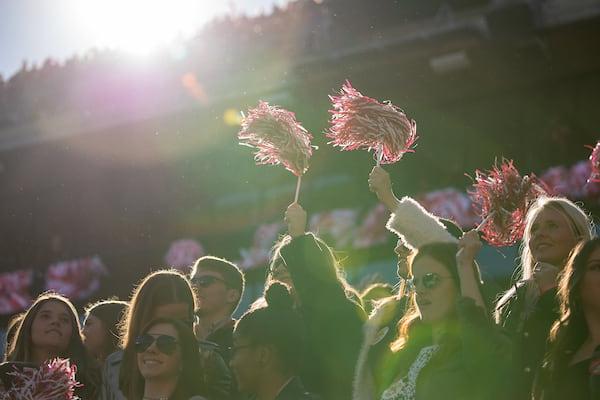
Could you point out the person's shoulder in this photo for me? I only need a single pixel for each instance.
(114, 358)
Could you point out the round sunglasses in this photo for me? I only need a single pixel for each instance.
(429, 280)
(164, 343)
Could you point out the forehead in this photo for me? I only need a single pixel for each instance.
(55, 307)
(594, 255)
(425, 264)
(550, 214)
(163, 329)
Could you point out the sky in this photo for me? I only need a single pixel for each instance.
(35, 30)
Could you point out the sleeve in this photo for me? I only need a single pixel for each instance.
(416, 226)
(486, 349)
(216, 376)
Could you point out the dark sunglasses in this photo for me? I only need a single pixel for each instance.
(429, 280)
(164, 343)
(206, 280)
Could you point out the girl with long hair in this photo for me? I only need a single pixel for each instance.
(50, 329)
(446, 346)
(554, 226)
(164, 293)
(568, 372)
(332, 319)
(101, 327)
(166, 362)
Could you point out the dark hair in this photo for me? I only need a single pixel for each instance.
(570, 331)
(232, 275)
(277, 324)
(110, 312)
(330, 272)
(157, 289)
(374, 294)
(21, 345)
(188, 383)
(11, 330)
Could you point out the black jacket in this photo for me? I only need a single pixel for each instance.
(333, 322)
(529, 335)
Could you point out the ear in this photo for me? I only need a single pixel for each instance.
(233, 295)
(265, 355)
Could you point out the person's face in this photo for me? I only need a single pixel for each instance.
(551, 237)
(590, 286)
(159, 352)
(245, 364)
(180, 311)
(435, 289)
(52, 327)
(94, 335)
(214, 294)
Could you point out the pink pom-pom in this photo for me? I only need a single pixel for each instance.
(360, 122)
(502, 197)
(595, 163)
(54, 380)
(277, 136)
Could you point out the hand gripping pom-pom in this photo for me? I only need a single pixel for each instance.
(277, 137)
(54, 380)
(361, 122)
(595, 164)
(502, 197)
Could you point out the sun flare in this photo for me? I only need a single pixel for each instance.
(139, 26)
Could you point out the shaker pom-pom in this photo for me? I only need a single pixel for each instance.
(502, 197)
(361, 122)
(53, 380)
(277, 137)
(595, 164)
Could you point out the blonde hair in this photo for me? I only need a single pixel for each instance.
(581, 226)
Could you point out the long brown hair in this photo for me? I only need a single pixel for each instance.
(570, 331)
(157, 289)
(188, 383)
(21, 346)
(445, 254)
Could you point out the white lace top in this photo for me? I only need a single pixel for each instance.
(405, 387)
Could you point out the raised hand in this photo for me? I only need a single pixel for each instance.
(381, 185)
(468, 247)
(295, 218)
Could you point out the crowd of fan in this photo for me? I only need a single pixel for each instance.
(441, 333)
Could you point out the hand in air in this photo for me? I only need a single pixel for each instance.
(381, 185)
(295, 218)
(468, 247)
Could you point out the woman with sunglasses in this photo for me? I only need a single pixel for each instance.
(165, 293)
(167, 363)
(529, 308)
(446, 345)
(572, 367)
(268, 349)
(332, 321)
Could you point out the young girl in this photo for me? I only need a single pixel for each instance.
(49, 329)
(527, 310)
(568, 373)
(100, 328)
(166, 362)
